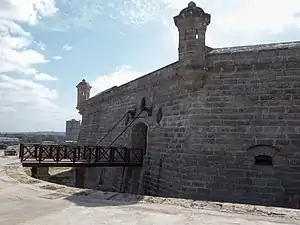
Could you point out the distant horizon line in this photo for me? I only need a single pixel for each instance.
(18, 132)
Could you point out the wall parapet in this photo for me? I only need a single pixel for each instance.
(271, 64)
(151, 79)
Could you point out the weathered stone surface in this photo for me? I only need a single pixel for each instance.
(40, 172)
(215, 120)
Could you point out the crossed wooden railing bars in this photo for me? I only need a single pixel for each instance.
(38, 155)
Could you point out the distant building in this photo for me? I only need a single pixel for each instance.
(48, 143)
(3, 146)
(72, 129)
(9, 140)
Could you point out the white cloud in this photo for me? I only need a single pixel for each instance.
(57, 57)
(25, 104)
(253, 15)
(41, 45)
(5, 109)
(246, 15)
(35, 101)
(32, 73)
(242, 22)
(120, 76)
(10, 27)
(67, 47)
(90, 13)
(14, 52)
(237, 22)
(29, 11)
(23, 94)
(44, 77)
(25, 86)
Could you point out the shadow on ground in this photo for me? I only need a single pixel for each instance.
(98, 199)
(86, 197)
(63, 176)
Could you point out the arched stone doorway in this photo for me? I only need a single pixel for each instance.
(133, 177)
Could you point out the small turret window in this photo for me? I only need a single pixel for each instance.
(263, 160)
(197, 35)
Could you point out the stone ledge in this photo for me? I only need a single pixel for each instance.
(16, 172)
(218, 206)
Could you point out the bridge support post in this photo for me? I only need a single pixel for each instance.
(79, 177)
(39, 172)
(92, 177)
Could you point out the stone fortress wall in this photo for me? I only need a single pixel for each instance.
(229, 129)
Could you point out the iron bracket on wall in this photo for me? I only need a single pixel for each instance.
(159, 115)
(127, 115)
(143, 107)
(130, 115)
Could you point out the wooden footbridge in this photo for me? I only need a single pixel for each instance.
(38, 155)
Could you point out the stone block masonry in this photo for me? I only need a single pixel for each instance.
(229, 130)
(210, 138)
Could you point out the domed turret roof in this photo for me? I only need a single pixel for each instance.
(83, 83)
(192, 5)
(192, 13)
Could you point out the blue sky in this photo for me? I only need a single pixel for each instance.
(48, 46)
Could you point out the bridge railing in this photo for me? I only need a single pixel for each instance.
(87, 155)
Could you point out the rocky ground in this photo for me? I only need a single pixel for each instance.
(35, 202)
